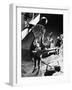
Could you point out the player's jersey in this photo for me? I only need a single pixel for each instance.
(38, 30)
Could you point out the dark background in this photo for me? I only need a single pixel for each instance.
(55, 24)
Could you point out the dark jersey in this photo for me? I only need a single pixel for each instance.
(38, 30)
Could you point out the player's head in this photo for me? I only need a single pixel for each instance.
(43, 21)
(61, 36)
(58, 37)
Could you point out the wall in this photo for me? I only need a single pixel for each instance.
(4, 41)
